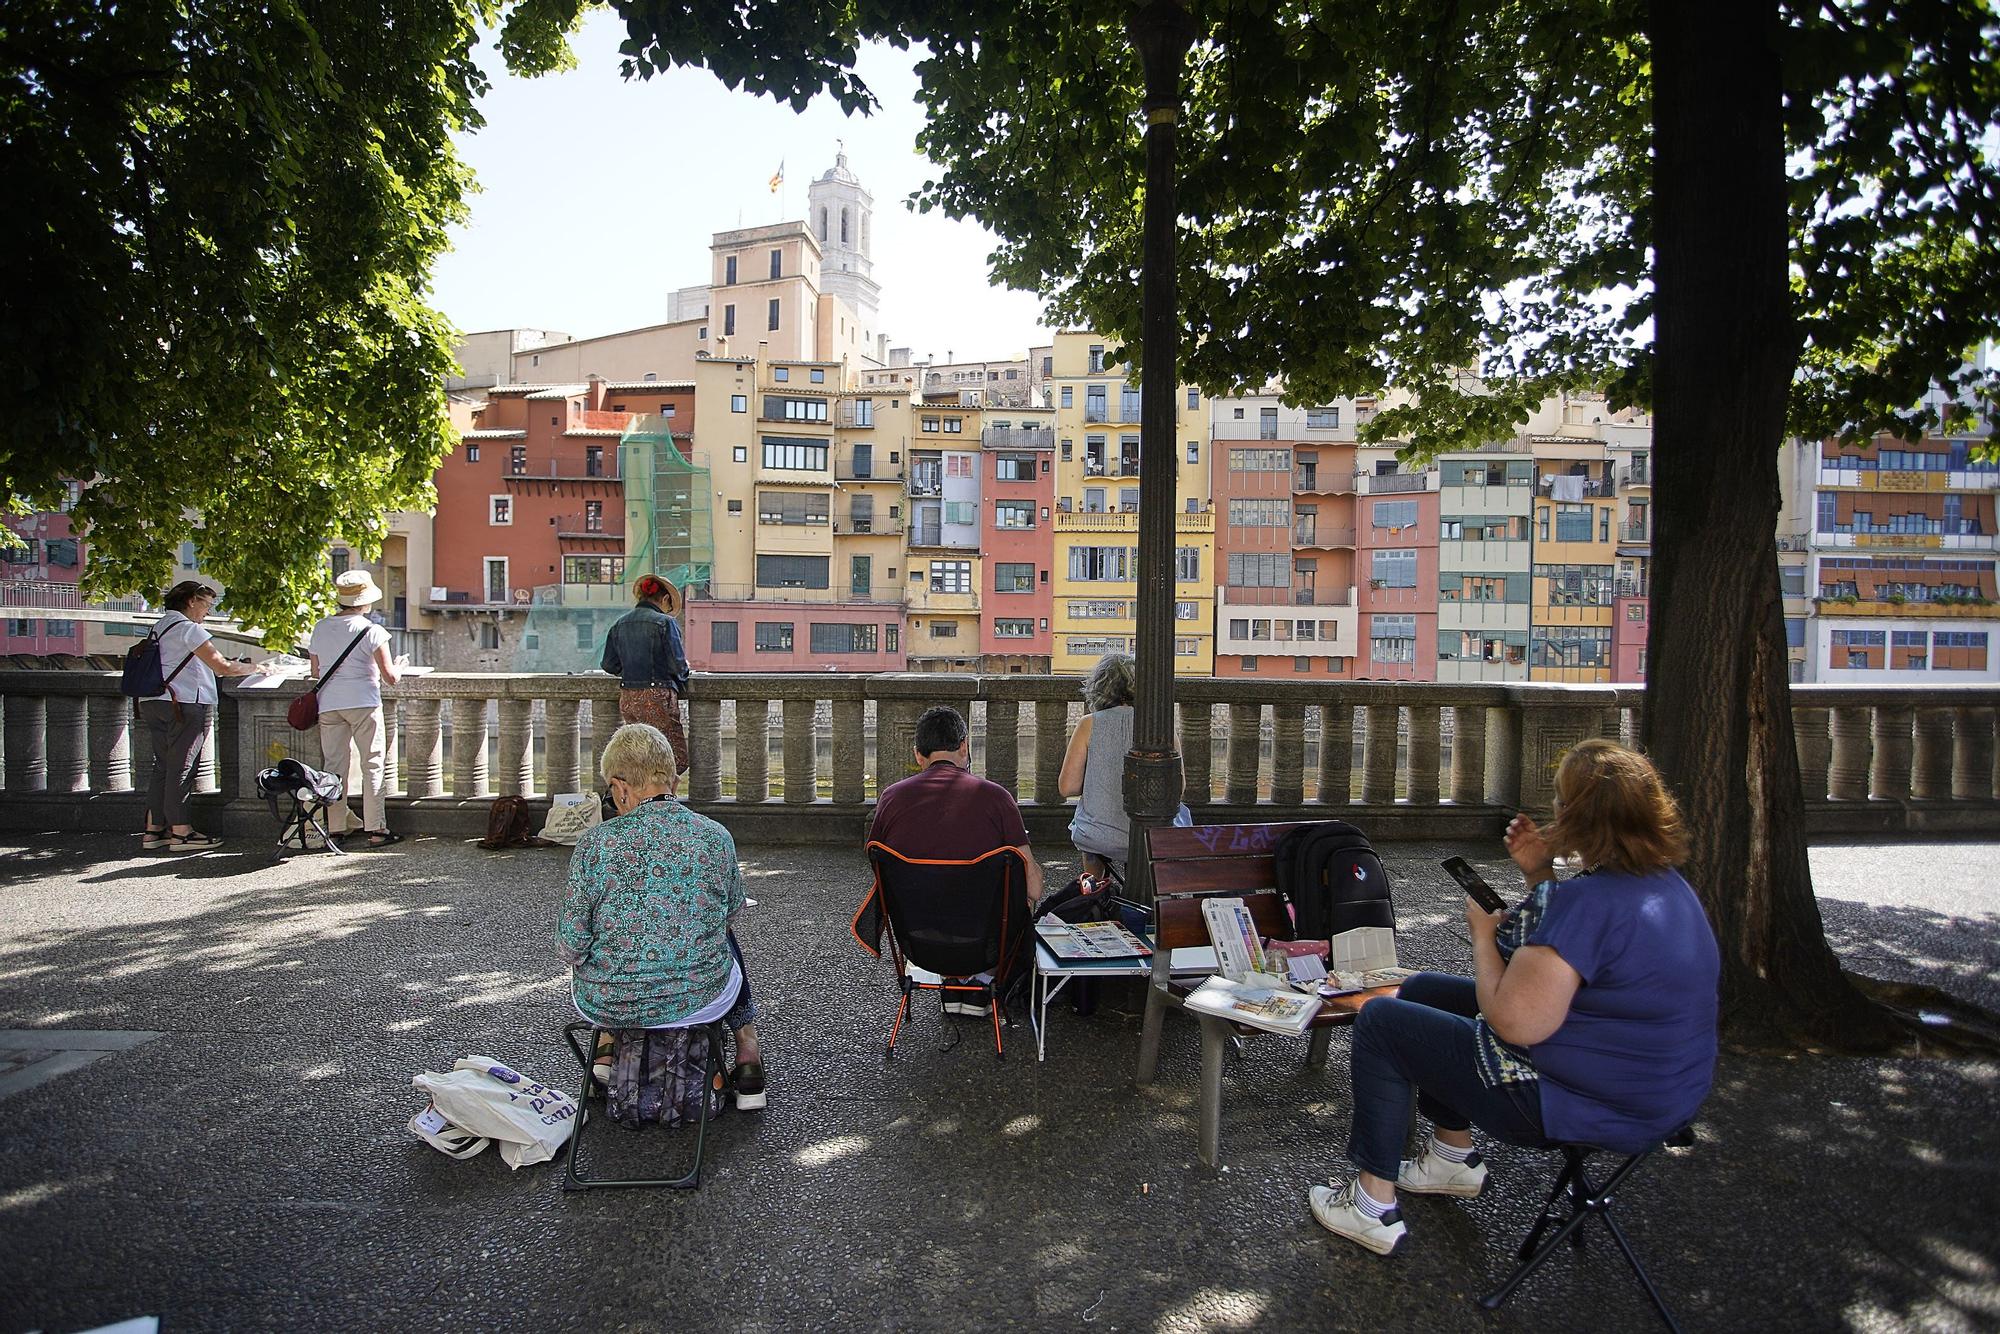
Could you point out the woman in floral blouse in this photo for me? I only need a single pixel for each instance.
(645, 925)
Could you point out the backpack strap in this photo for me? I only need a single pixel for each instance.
(167, 685)
(337, 661)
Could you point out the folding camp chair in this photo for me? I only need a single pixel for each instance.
(582, 1040)
(956, 919)
(1572, 1201)
(306, 793)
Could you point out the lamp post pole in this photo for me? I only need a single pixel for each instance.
(1162, 32)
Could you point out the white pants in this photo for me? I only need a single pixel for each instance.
(342, 732)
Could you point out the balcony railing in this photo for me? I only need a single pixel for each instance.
(1233, 596)
(924, 482)
(1018, 437)
(587, 525)
(1323, 481)
(561, 470)
(1395, 483)
(1635, 532)
(876, 527)
(845, 471)
(886, 594)
(1594, 488)
(1321, 535)
(1403, 759)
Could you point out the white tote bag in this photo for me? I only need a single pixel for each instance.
(570, 815)
(528, 1119)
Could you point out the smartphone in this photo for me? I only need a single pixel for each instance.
(1474, 885)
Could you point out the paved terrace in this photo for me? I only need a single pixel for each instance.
(248, 1167)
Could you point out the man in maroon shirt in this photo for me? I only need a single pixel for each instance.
(946, 811)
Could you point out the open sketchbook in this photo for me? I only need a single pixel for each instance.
(1277, 1010)
(1364, 957)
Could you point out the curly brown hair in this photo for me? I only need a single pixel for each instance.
(1613, 810)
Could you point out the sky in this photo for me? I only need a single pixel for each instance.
(599, 196)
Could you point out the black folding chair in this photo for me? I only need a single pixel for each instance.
(1573, 1200)
(957, 919)
(582, 1040)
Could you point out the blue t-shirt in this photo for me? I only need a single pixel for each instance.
(1634, 1059)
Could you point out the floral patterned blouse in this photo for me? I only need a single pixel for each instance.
(644, 924)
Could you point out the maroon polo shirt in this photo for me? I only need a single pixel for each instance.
(947, 813)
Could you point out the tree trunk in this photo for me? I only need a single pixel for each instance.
(1718, 716)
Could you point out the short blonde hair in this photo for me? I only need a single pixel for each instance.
(1612, 810)
(638, 754)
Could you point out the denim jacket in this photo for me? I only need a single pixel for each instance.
(643, 648)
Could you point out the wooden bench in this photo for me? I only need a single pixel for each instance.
(1204, 861)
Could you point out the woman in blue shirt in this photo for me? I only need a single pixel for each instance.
(643, 649)
(1590, 1017)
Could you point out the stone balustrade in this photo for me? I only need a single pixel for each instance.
(1405, 760)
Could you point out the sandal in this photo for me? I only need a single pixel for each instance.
(191, 842)
(382, 838)
(156, 839)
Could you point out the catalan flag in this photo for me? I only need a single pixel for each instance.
(778, 177)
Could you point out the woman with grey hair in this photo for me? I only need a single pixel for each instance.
(1093, 769)
(645, 924)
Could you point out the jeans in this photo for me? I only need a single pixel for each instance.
(1423, 1040)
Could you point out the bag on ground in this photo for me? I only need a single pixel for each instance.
(1332, 879)
(571, 814)
(510, 823)
(657, 1076)
(528, 1119)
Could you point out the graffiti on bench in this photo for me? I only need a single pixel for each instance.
(1224, 838)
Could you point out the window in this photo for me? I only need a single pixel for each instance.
(1569, 646)
(1010, 628)
(722, 637)
(928, 424)
(774, 636)
(729, 271)
(1249, 662)
(1258, 569)
(1792, 580)
(957, 465)
(961, 512)
(503, 510)
(1958, 650)
(489, 635)
(1096, 358)
(816, 376)
(1394, 513)
(1099, 609)
(593, 516)
(583, 635)
(1635, 611)
(1013, 577)
(954, 425)
(517, 460)
(944, 629)
(1260, 460)
(739, 403)
(1392, 638)
(793, 508)
(63, 551)
(1394, 569)
(799, 455)
(1193, 399)
(1128, 403)
(1090, 564)
(1187, 611)
(1093, 403)
(1577, 585)
(1260, 513)
(1193, 454)
(1573, 523)
(1187, 565)
(792, 571)
(777, 263)
(951, 576)
(782, 374)
(472, 451)
(772, 317)
(1014, 468)
(841, 638)
(1322, 419)
(1069, 396)
(864, 412)
(593, 569)
(1013, 514)
(794, 409)
(740, 454)
(728, 320)
(60, 629)
(1267, 423)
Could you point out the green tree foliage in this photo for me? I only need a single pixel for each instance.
(214, 259)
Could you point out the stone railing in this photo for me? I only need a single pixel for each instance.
(800, 757)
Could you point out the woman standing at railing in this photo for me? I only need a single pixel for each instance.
(643, 650)
(179, 717)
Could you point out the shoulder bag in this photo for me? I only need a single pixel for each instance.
(303, 714)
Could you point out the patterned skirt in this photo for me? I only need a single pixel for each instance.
(660, 707)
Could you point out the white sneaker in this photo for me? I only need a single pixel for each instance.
(1434, 1174)
(974, 1009)
(1335, 1210)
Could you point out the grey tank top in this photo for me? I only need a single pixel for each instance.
(1100, 825)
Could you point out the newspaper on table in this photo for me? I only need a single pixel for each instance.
(1083, 942)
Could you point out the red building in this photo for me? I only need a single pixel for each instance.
(40, 568)
(1396, 577)
(1017, 544)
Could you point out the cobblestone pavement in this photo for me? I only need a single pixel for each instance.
(225, 1145)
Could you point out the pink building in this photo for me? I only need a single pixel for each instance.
(1018, 544)
(1630, 621)
(42, 563)
(771, 636)
(1396, 577)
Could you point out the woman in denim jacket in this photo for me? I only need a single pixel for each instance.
(643, 650)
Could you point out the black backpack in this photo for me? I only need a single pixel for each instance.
(1332, 879)
(144, 677)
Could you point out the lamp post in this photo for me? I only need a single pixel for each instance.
(1162, 32)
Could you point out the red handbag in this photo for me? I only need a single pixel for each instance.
(303, 712)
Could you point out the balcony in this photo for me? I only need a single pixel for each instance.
(925, 599)
(1593, 488)
(1323, 481)
(874, 594)
(1017, 437)
(554, 470)
(1919, 609)
(1635, 475)
(1398, 483)
(853, 420)
(1096, 415)
(886, 473)
(1323, 536)
(1302, 596)
(875, 527)
(1635, 532)
(927, 482)
(586, 526)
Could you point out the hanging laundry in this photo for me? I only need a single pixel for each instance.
(1569, 486)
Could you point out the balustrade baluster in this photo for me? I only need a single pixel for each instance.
(1197, 736)
(27, 758)
(207, 770)
(392, 748)
(1426, 754)
(1003, 743)
(1245, 724)
(753, 749)
(1468, 755)
(801, 776)
(516, 765)
(1336, 754)
(68, 745)
(468, 748)
(1051, 739)
(1889, 775)
(850, 751)
(425, 746)
(559, 760)
(1853, 744)
(1930, 770)
(1815, 749)
(1288, 754)
(110, 743)
(1972, 775)
(704, 749)
(604, 721)
(1503, 757)
(1378, 753)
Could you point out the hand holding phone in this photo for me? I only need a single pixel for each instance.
(1474, 885)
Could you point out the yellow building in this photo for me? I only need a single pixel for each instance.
(943, 536)
(1575, 535)
(1096, 524)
